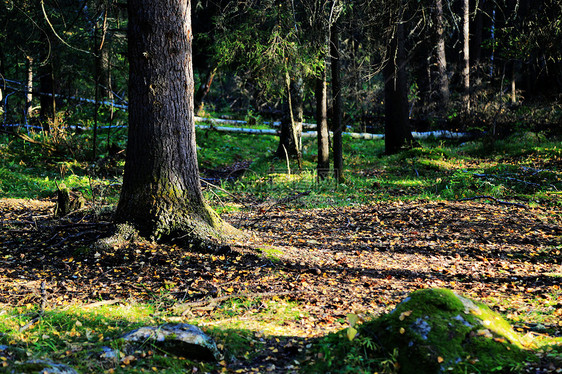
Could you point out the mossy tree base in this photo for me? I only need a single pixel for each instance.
(166, 219)
(161, 195)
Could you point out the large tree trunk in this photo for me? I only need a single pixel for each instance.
(161, 195)
(442, 78)
(337, 111)
(323, 168)
(397, 123)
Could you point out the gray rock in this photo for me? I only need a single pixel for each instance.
(180, 339)
(109, 354)
(43, 367)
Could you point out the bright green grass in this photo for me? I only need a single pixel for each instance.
(524, 167)
(75, 335)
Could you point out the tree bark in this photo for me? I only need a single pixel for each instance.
(204, 89)
(161, 195)
(290, 139)
(29, 90)
(337, 109)
(102, 70)
(323, 167)
(466, 58)
(397, 123)
(48, 104)
(442, 78)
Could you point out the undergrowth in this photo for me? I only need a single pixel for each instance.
(524, 168)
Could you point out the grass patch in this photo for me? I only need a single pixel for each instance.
(79, 337)
(524, 167)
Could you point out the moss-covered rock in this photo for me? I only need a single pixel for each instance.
(438, 331)
(42, 367)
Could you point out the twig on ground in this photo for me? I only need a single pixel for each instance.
(77, 235)
(248, 295)
(495, 200)
(29, 324)
(225, 191)
(82, 224)
(284, 200)
(43, 297)
(102, 303)
(508, 179)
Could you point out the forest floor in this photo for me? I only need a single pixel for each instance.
(325, 262)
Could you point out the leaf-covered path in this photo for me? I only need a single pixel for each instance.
(331, 261)
(369, 257)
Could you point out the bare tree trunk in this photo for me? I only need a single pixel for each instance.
(204, 89)
(290, 139)
(48, 99)
(442, 78)
(397, 122)
(101, 72)
(161, 195)
(323, 167)
(337, 111)
(29, 90)
(466, 58)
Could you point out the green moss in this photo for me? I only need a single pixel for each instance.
(271, 253)
(435, 330)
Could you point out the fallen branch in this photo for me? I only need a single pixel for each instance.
(507, 178)
(284, 200)
(225, 191)
(75, 236)
(248, 295)
(102, 303)
(495, 200)
(29, 324)
(82, 224)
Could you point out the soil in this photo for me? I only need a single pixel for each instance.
(333, 261)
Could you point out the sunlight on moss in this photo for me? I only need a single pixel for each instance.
(269, 317)
(406, 182)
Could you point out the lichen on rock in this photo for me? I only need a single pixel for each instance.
(180, 339)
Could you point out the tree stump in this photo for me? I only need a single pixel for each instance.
(68, 201)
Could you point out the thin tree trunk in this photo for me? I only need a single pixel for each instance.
(397, 122)
(161, 195)
(476, 41)
(48, 110)
(101, 73)
(513, 88)
(29, 90)
(204, 89)
(323, 168)
(290, 138)
(337, 109)
(97, 73)
(442, 78)
(466, 57)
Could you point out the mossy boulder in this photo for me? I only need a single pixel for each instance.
(438, 331)
(42, 367)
